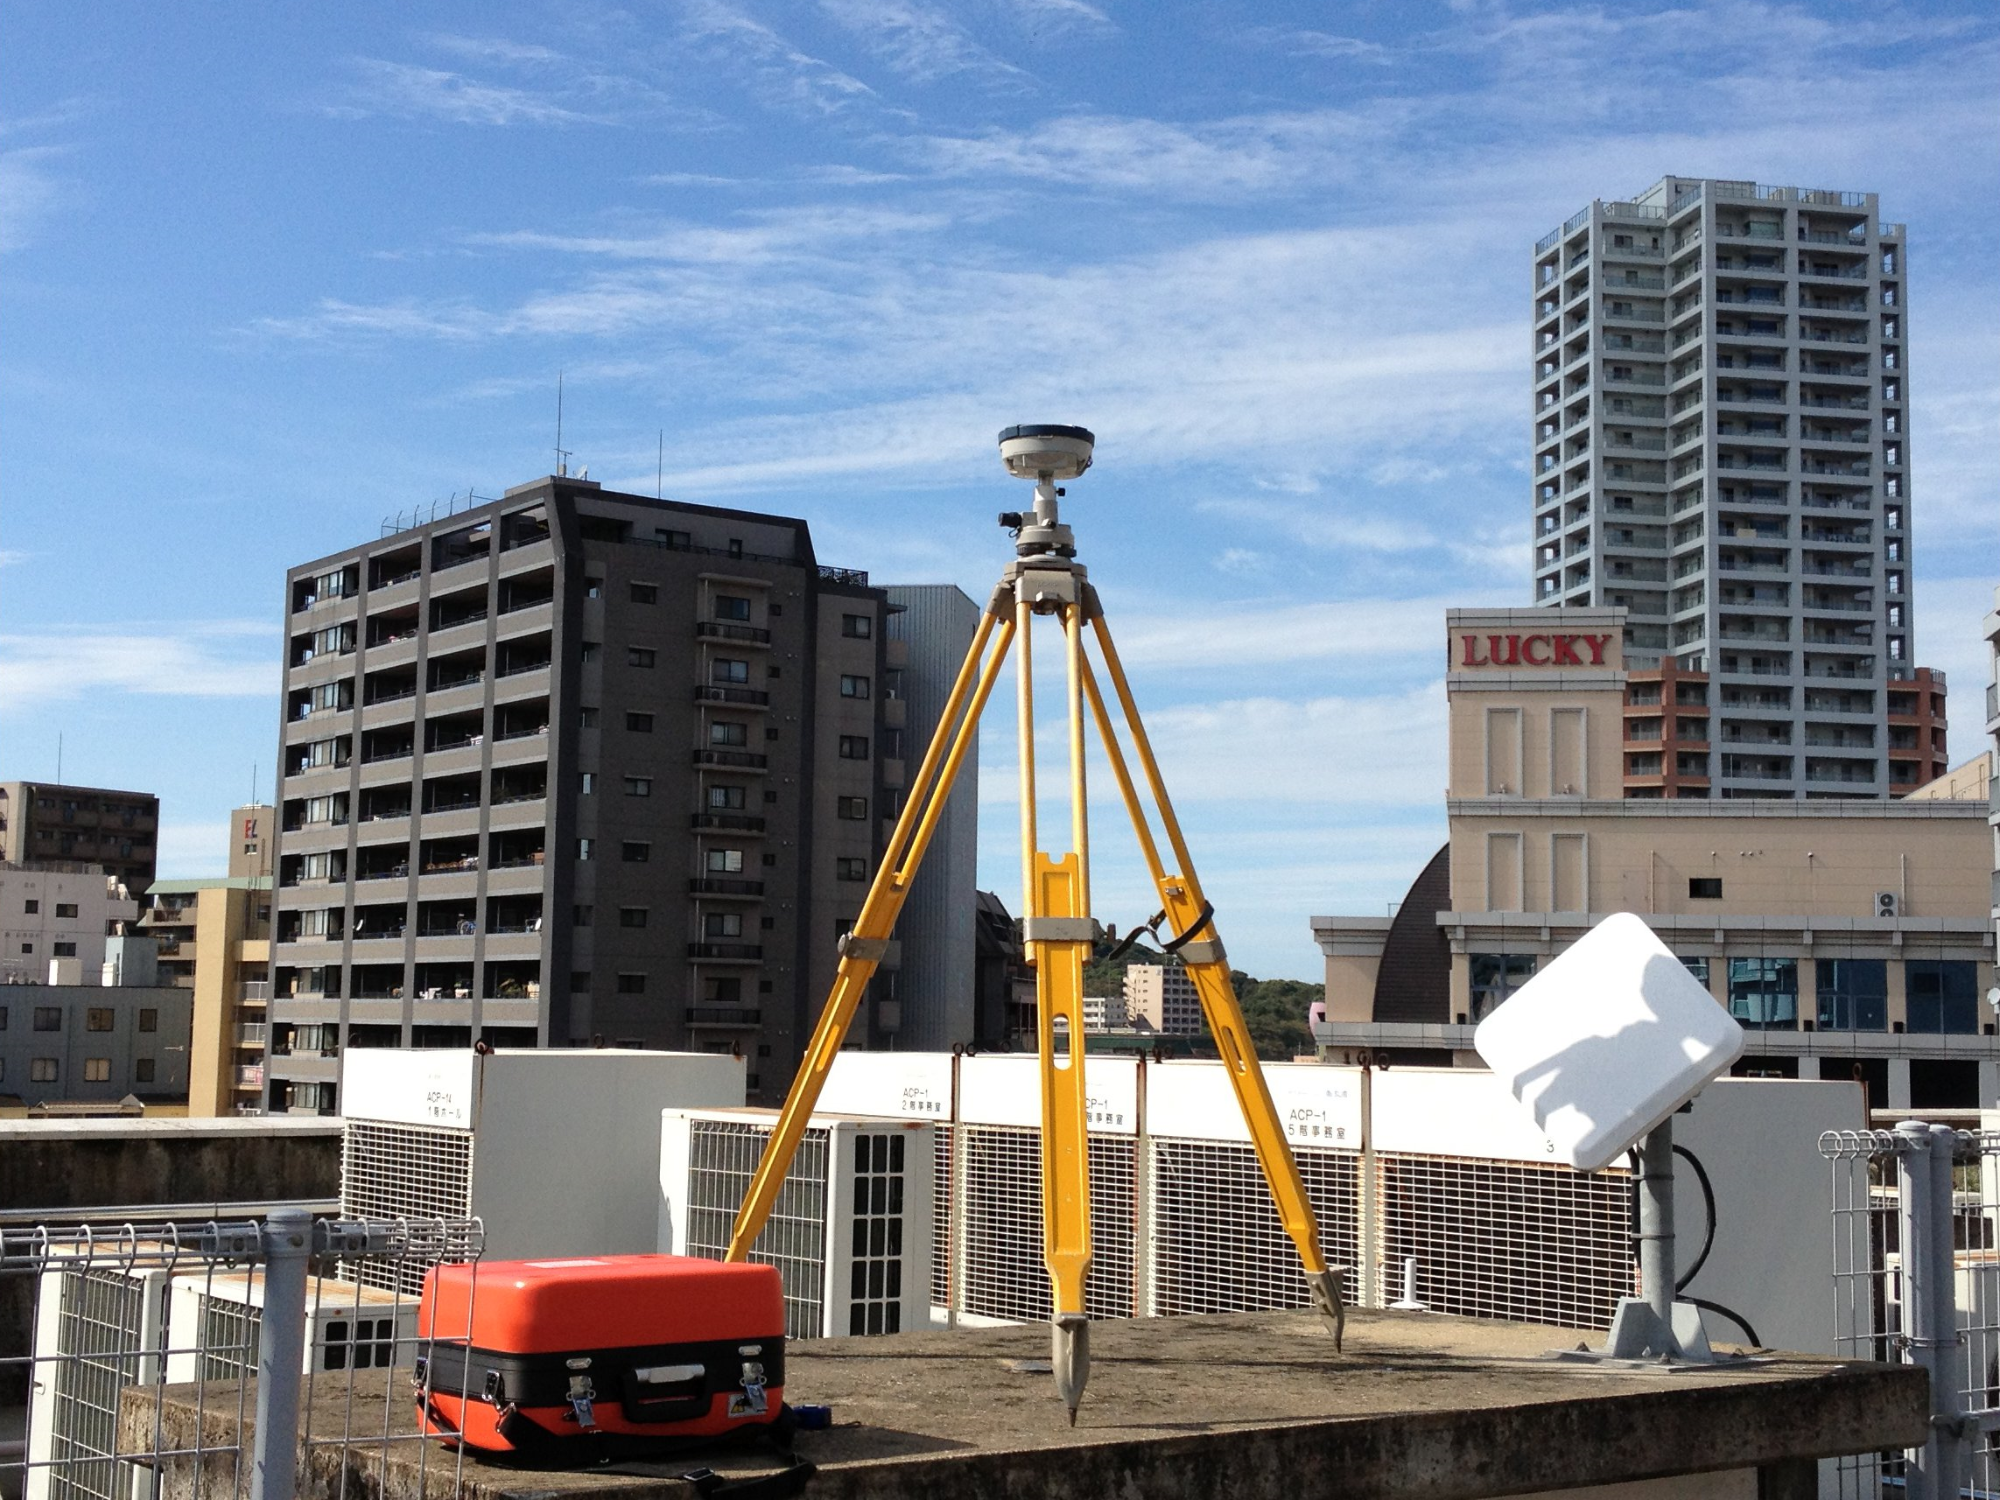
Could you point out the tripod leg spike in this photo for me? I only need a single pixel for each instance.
(1069, 1353)
(1329, 1299)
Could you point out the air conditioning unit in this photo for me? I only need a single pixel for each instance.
(98, 1331)
(851, 1232)
(1886, 904)
(552, 1149)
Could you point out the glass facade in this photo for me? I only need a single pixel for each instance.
(1495, 976)
(1941, 995)
(1764, 992)
(1853, 994)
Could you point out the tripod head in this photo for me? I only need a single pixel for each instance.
(1043, 452)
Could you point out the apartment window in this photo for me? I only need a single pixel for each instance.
(1764, 992)
(586, 782)
(3, 1018)
(632, 916)
(770, 861)
(638, 656)
(857, 627)
(27, 947)
(1697, 967)
(579, 981)
(48, 1018)
(142, 1070)
(724, 669)
(852, 686)
(1853, 994)
(1941, 995)
(722, 924)
(33, 907)
(645, 593)
(1705, 888)
(593, 588)
(631, 984)
(584, 848)
(638, 786)
(97, 1070)
(678, 541)
(587, 651)
(771, 732)
(1495, 977)
(854, 747)
(725, 861)
(852, 808)
(43, 1070)
(730, 607)
(723, 798)
(636, 851)
(723, 732)
(66, 909)
(579, 916)
(850, 869)
(586, 718)
(736, 546)
(639, 723)
(97, 1018)
(728, 990)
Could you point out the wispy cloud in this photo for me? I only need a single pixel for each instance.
(181, 659)
(408, 91)
(780, 72)
(921, 41)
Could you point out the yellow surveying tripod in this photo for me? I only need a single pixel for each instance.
(1056, 926)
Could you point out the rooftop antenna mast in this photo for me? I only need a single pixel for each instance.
(562, 453)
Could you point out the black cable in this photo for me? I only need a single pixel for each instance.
(1737, 1318)
(1707, 1244)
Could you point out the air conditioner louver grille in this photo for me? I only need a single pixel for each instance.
(402, 1172)
(98, 1338)
(722, 1157)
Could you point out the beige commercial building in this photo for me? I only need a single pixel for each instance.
(214, 938)
(46, 821)
(1162, 999)
(1854, 938)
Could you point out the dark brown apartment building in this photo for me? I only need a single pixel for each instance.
(577, 768)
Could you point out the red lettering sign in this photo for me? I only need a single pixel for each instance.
(1531, 650)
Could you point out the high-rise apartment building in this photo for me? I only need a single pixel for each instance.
(118, 832)
(577, 767)
(1721, 448)
(1164, 998)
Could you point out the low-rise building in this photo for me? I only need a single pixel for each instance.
(54, 918)
(1854, 938)
(96, 1042)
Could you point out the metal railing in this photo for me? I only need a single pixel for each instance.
(231, 1358)
(1916, 1280)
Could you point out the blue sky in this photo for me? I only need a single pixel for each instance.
(270, 274)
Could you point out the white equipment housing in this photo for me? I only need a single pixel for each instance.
(554, 1150)
(851, 1232)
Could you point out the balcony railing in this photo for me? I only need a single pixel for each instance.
(747, 759)
(719, 630)
(253, 992)
(719, 885)
(737, 822)
(727, 952)
(723, 1015)
(707, 692)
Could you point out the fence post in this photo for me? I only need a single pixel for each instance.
(1947, 1390)
(1929, 1324)
(281, 1336)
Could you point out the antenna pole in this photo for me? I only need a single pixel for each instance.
(58, 757)
(561, 467)
(660, 472)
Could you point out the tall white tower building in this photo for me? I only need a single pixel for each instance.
(1721, 446)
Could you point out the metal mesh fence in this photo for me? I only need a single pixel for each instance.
(1216, 1240)
(1513, 1240)
(145, 1349)
(1003, 1275)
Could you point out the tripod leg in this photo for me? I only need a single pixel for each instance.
(1060, 936)
(862, 949)
(1200, 947)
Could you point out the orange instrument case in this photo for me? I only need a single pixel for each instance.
(617, 1351)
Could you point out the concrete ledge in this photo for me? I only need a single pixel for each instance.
(1252, 1407)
